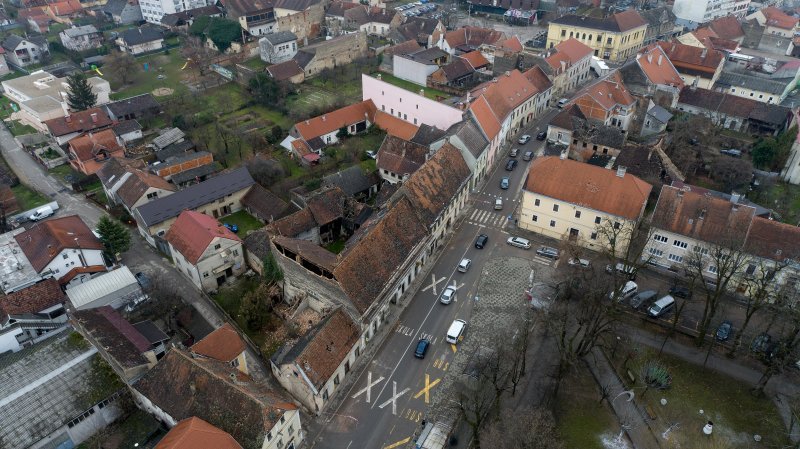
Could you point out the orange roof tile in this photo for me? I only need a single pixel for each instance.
(657, 67)
(192, 232)
(629, 19)
(506, 92)
(87, 146)
(194, 433)
(485, 117)
(538, 78)
(777, 18)
(475, 59)
(224, 344)
(692, 58)
(332, 121)
(727, 27)
(773, 240)
(589, 186)
(395, 126)
(608, 93)
(570, 52)
(512, 44)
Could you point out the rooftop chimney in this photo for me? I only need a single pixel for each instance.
(563, 155)
(735, 197)
(660, 57)
(68, 119)
(508, 73)
(379, 76)
(323, 117)
(649, 58)
(704, 53)
(621, 171)
(94, 117)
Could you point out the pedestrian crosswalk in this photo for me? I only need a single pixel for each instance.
(488, 218)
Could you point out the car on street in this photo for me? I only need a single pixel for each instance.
(527, 156)
(562, 102)
(504, 183)
(514, 152)
(546, 251)
(480, 242)
(519, 242)
(680, 291)
(761, 343)
(511, 164)
(643, 298)
(422, 348)
(524, 139)
(463, 266)
(144, 281)
(624, 292)
(620, 267)
(724, 331)
(577, 262)
(448, 295)
(541, 135)
(498, 204)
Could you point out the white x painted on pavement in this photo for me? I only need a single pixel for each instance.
(368, 388)
(394, 397)
(434, 283)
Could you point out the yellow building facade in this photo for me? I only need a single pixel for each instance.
(614, 38)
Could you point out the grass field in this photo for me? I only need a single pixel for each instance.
(244, 221)
(19, 129)
(433, 94)
(143, 82)
(28, 198)
(582, 420)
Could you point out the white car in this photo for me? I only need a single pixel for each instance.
(448, 295)
(524, 139)
(463, 266)
(519, 242)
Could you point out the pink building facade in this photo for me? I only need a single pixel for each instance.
(408, 106)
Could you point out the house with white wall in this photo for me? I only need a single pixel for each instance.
(204, 250)
(408, 106)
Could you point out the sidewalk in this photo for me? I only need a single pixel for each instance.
(629, 415)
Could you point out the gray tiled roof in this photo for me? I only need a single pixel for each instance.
(43, 387)
(470, 135)
(141, 35)
(192, 197)
(660, 114)
(280, 37)
(751, 82)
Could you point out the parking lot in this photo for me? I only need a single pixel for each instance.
(418, 9)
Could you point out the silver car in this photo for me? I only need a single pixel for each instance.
(448, 295)
(519, 242)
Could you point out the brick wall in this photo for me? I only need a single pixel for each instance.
(337, 52)
(304, 24)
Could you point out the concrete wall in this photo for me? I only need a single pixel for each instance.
(410, 70)
(202, 275)
(69, 259)
(337, 52)
(304, 24)
(409, 106)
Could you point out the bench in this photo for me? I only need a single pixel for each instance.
(631, 376)
(650, 413)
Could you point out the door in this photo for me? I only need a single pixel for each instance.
(573, 234)
(229, 272)
(220, 280)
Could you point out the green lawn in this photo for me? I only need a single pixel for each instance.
(433, 94)
(336, 246)
(28, 198)
(736, 413)
(65, 173)
(255, 64)
(5, 108)
(582, 420)
(784, 197)
(143, 82)
(245, 221)
(19, 129)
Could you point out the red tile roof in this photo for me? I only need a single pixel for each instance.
(395, 126)
(773, 240)
(401, 156)
(332, 121)
(87, 146)
(628, 20)
(472, 37)
(590, 186)
(607, 93)
(538, 78)
(34, 299)
(285, 70)
(485, 117)
(194, 433)
(777, 18)
(224, 344)
(570, 52)
(65, 7)
(506, 93)
(45, 240)
(475, 59)
(192, 232)
(657, 67)
(137, 184)
(692, 59)
(727, 27)
(114, 334)
(79, 122)
(512, 44)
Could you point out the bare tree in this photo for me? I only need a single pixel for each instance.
(524, 429)
(478, 392)
(121, 66)
(198, 54)
(785, 351)
(623, 242)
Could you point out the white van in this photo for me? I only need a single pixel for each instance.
(629, 289)
(41, 213)
(661, 306)
(456, 331)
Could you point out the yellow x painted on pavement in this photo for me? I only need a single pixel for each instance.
(427, 389)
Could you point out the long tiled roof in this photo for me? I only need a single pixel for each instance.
(194, 433)
(117, 336)
(79, 122)
(620, 22)
(45, 240)
(332, 121)
(193, 231)
(34, 299)
(721, 102)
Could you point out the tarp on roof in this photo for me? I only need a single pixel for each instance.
(115, 289)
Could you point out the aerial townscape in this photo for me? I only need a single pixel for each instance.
(399, 224)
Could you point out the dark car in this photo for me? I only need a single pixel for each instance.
(724, 331)
(733, 152)
(643, 298)
(144, 281)
(542, 135)
(761, 343)
(480, 242)
(511, 164)
(422, 348)
(680, 291)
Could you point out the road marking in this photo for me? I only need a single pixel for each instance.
(434, 283)
(405, 330)
(394, 397)
(368, 388)
(398, 444)
(425, 336)
(454, 346)
(427, 389)
(456, 286)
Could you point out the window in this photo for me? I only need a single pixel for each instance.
(236, 252)
(269, 436)
(712, 269)
(751, 269)
(552, 223)
(596, 220)
(535, 218)
(700, 250)
(217, 246)
(152, 195)
(675, 258)
(205, 275)
(563, 33)
(555, 207)
(65, 256)
(617, 225)
(283, 419)
(336, 380)
(680, 244)
(660, 238)
(358, 351)
(325, 395)
(536, 202)
(577, 214)
(656, 252)
(593, 236)
(609, 40)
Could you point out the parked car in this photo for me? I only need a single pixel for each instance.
(620, 267)
(448, 295)
(513, 152)
(680, 291)
(546, 251)
(511, 164)
(624, 292)
(519, 242)
(576, 262)
(504, 183)
(422, 348)
(232, 227)
(480, 242)
(761, 343)
(144, 281)
(527, 156)
(542, 135)
(562, 102)
(524, 139)
(41, 213)
(643, 298)
(724, 330)
(498, 204)
(464, 265)
(372, 154)
(661, 306)
(732, 152)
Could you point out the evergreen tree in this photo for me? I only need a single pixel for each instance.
(272, 272)
(114, 236)
(80, 96)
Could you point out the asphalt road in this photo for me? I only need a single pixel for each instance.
(386, 404)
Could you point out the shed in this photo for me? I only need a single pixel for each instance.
(115, 288)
